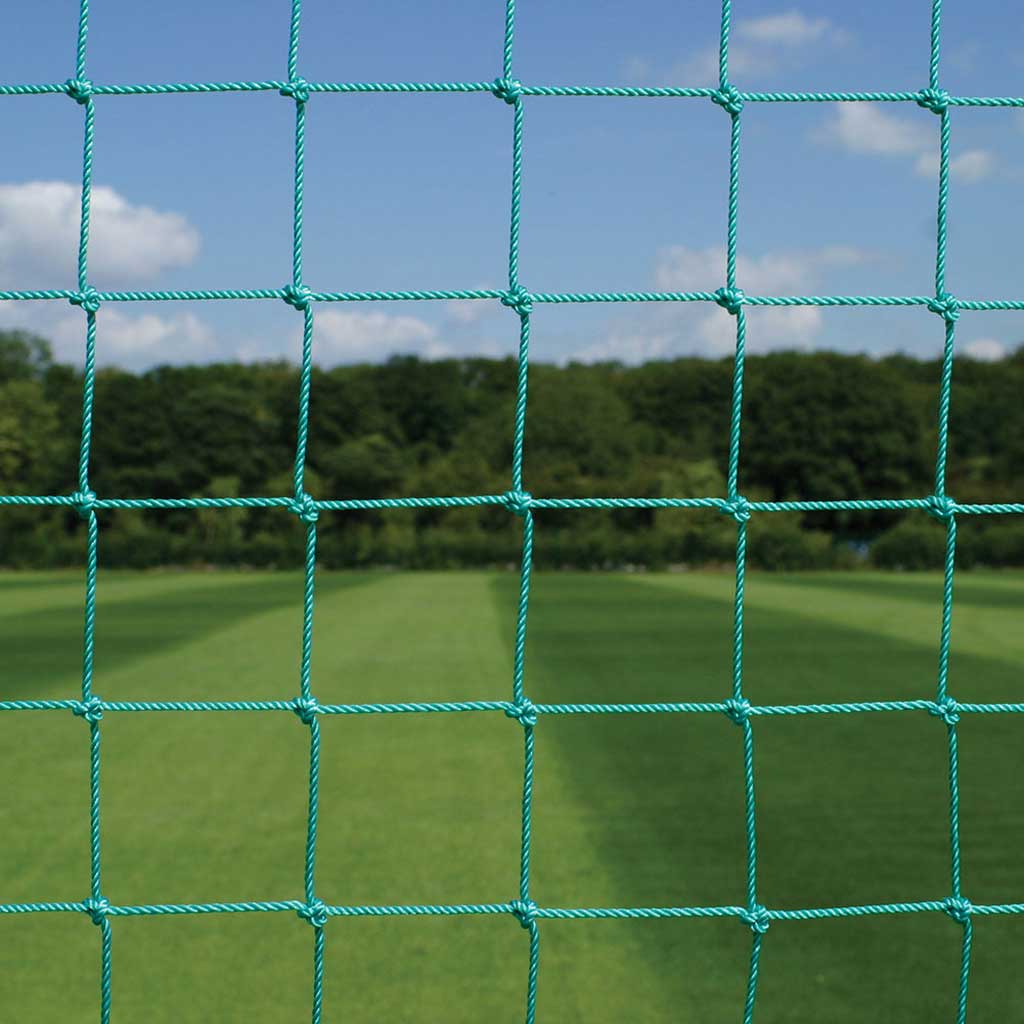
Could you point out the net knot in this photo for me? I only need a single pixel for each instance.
(525, 911)
(87, 298)
(91, 710)
(517, 501)
(306, 708)
(756, 919)
(523, 711)
(738, 508)
(84, 502)
(79, 89)
(297, 89)
(507, 89)
(304, 506)
(738, 710)
(958, 908)
(730, 299)
(519, 299)
(941, 507)
(935, 100)
(947, 709)
(728, 98)
(946, 306)
(315, 913)
(96, 907)
(297, 296)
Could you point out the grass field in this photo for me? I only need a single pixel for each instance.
(632, 810)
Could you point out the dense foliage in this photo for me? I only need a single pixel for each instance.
(818, 425)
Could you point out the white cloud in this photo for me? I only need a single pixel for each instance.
(712, 331)
(969, 167)
(124, 337)
(353, 336)
(39, 225)
(701, 69)
(791, 28)
(757, 46)
(973, 165)
(467, 311)
(767, 328)
(134, 341)
(866, 128)
(680, 268)
(137, 338)
(712, 334)
(627, 347)
(869, 129)
(985, 349)
(638, 69)
(843, 256)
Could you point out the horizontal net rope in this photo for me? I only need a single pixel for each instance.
(518, 501)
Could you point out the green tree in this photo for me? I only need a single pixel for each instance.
(23, 355)
(31, 450)
(364, 467)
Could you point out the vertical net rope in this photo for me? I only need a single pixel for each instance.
(519, 502)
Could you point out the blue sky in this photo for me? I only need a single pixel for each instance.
(413, 191)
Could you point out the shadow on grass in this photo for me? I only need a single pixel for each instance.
(968, 589)
(43, 649)
(640, 810)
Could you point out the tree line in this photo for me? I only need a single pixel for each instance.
(815, 425)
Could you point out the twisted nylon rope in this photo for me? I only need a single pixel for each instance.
(518, 501)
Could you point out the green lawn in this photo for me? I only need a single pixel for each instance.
(632, 810)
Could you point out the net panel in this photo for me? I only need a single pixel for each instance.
(519, 502)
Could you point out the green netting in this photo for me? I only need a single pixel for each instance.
(522, 302)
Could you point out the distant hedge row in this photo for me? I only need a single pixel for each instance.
(777, 542)
(815, 425)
